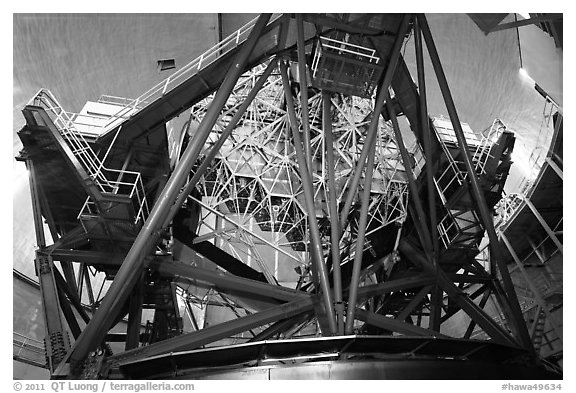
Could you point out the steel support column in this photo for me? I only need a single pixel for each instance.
(362, 224)
(436, 298)
(333, 209)
(425, 129)
(535, 291)
(371, 136)
(308, 188)
(57, 340)
(421, 226)
(146, 240)
(486, 217)
(135, 314)
(303, 92)
(436, 301)
(544, 224)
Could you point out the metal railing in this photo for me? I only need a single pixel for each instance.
(28, 349)
(132, 106)
(482, 151)
(343, 48)
(93, 165)
(456, 170)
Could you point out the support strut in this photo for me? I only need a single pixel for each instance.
(307, 186)
(131, 268)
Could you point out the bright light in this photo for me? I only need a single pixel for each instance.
(524, 15)
(524, 74)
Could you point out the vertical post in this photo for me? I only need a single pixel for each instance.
(89, 287)
(333, 209)
(307, 186)
(363, 223)
(57, 341)
(545, 225)
(518, 324)
(304, 91)
(135, 315)
(371, 137)
(131, 268)
(436, 298)
(535, 291)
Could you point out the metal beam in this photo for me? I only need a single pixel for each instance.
(67, 290)
(360, 236)
(132, 338)
(146, 240)
(36, 204)
(544, 224)
(555, 167)
(88, 257)
(304, 116)
(308, 188)
(372, 130)
(226, 282)
(68, 313)
(421, 227)
(333, 209)
(526, 22)
(57, 340)
(436, 302)
(518, 324)
(214, 333)
(279, 327)
(427, 136)
(394, 325)
(71, 239)
(416, 300)
(473, 296)
(436, 298)
(395, 285)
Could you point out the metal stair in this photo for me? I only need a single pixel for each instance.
(116, 205)
(538, 330)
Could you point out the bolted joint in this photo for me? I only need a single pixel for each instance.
(91, 367)
(55, 347)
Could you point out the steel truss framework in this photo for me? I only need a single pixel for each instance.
(292, 211)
